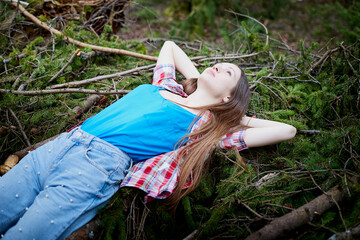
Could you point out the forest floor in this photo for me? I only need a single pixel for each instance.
(314, 87)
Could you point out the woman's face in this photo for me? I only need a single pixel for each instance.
(220, 79)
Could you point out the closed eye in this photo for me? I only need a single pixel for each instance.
(228, 72)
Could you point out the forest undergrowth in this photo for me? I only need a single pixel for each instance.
(314, 87)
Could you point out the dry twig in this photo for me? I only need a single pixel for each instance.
(65, 66)
(20, 127)
(323, 58)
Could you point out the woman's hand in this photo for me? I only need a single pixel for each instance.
(170, 53)
(265, 132)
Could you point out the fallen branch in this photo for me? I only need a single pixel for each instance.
(81, 44)
(23, 152)
(16, 1)
(310, 131)
(98, 78)
(191, 235)
(64, 90)
(281, 226)
(229, 57)
(88, 103)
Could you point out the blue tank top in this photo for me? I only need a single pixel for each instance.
(143, 124)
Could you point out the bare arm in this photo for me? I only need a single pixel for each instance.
(170, 53)
(265, 132)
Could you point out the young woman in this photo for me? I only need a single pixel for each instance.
(166, 131)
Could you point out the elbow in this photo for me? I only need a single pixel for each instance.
(291, 132)
(168, 42)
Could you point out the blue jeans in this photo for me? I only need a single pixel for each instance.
(60, 186)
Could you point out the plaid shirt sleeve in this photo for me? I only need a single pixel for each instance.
(164, 77)
(233, 139)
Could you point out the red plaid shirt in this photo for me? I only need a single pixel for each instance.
(158, 176)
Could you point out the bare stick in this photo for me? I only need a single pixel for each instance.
(253, 211)
(64, 90)
(98, 78)
(279, 227)
(310, 131)
(65, 66)
(230, 57)
(191, 235)
(53, 44)
(20, 127)
(81, 44)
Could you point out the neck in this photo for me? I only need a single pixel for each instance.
(200, 98)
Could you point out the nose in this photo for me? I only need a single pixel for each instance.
(216, 68)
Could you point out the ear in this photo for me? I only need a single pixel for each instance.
(226, 99)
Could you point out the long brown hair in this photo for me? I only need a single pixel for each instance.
(224, 118)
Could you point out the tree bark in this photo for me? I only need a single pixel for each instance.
(281, 226)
